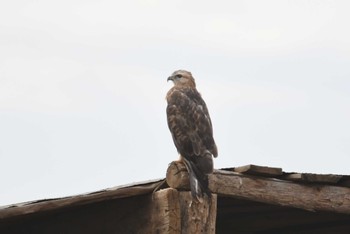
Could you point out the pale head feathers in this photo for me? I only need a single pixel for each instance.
(182, 78)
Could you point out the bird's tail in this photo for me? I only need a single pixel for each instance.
(198, 177)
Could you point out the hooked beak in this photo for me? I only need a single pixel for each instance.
(170, 78)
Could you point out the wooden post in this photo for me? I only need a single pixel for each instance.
(165, 212)
(174, 212)
(195, 217)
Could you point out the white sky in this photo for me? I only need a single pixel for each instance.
(83, 85)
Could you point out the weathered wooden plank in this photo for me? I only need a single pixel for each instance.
(58, 203)
(273, 191)
(314, 178)
(259, 170)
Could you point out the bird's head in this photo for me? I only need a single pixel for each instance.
(182, 78)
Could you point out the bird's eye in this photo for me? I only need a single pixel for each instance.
(178, 76)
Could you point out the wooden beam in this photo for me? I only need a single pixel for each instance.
(313, 197)
(174, 212)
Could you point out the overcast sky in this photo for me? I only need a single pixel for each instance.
(83, 85)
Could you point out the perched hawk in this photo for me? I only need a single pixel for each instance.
(190, 126)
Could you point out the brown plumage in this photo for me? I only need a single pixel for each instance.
(191, 128)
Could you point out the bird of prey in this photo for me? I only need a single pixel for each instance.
(191, 128)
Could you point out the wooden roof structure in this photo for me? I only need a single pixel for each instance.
(248, 199)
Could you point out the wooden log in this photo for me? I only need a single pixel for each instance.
(174, 212)
(313, 197)
(177, 176)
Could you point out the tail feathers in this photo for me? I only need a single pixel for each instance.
(198, 181)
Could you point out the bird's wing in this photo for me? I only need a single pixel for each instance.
(189, 123)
